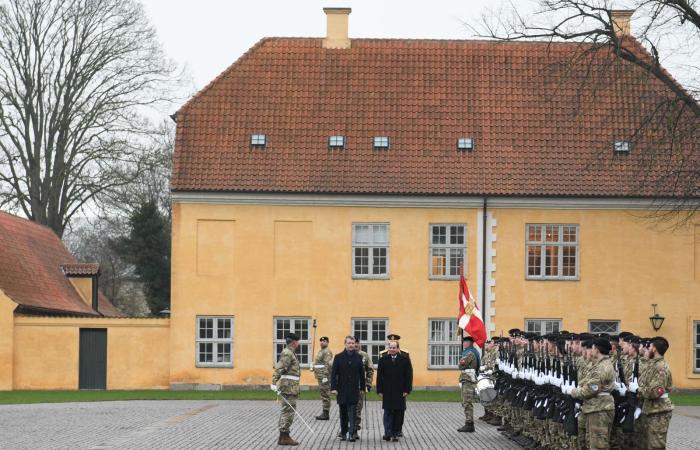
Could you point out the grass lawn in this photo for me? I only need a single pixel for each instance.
(16, 397)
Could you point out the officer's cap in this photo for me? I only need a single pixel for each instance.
(291, 337)
(514, 332)
(467, 338)
(324, 338)
(393, 337)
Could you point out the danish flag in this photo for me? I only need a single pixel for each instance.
(470, 319)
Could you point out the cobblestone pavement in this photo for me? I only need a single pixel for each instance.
(251, 425)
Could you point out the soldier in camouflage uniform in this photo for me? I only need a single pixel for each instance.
(488, 365)
(322, 371)
(654, 385)
(369, 375)
(468, 368)
(285, 382)
(595, 391)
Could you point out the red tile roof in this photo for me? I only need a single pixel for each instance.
(80, 269)
(514, 99)
(31, 257)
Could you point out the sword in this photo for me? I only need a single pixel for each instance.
(295, 412)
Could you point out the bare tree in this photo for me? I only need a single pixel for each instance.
(606, 53)
(75, 79)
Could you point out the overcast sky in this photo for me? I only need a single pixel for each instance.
(206, 36)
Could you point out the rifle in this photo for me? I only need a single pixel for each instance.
(313, 348)
(620, 404)
(570, 421)
(628, 419)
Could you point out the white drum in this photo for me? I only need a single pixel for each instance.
(485, 389)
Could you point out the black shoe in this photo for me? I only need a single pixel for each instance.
(386, 438)
(356, 436)
(352, 439)
(395, 439)
(343, 438)
(399, 434)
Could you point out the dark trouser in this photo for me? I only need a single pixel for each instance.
(399, 419)
(347, 418)
(392, 424)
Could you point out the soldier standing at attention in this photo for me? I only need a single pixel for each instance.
(369, 375)
(654, 385)
(595, 391)
(322, 372)
(468, 367)
(285, 382)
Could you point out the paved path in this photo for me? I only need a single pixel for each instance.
(250, 425)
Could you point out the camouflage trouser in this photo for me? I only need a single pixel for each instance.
(598, 428)
(325, 390)
(656, 427)
(287, 415)
(468, 399)
(637, 439)
(581, 438)
(358, 409)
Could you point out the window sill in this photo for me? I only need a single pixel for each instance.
(443, 368)
(214, 366)
(450, 278)
(552, 279)
(364, 277)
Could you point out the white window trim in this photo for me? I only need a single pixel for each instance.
(334, 139)
(370, 275)
(213, 341)
(276, 341)
(696, 346)
(542, 322)
(431, 246)
(256, 138)
(369, 342)
(443, 343)
(560, 256)
(465, 144)
(617, 330)
(381, 142)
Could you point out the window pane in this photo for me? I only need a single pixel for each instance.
(439, 234)
(569, 261)
(380, 234)
(569, 233)
(437, 330)
(362, 261)
(551, 261)
(378, 330)
(303, 353)
(206, 328)
(456, 260)
(534, 260)
(223, 353)
(362, 234)
(379, 261)
(455, 352)
(604, 326)
(278, 349)
(437, 356)
(552, 233)
(374, 353)
(697, 334)
(534, 233)
(457, 235)
(361, 330)
(439, 258)
(206, 352)
(697, 358)
(283, 327)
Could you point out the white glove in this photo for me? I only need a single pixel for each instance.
(482, 369)
(634, 386)
(324, 380)
(273, 388)
(637, 413)
(622, 389)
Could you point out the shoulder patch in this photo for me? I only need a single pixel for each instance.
(660, 391)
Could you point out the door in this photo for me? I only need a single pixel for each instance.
(93, 358)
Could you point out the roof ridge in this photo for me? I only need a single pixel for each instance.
(31, 222)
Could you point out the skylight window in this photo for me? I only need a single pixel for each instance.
(465, 144)
(336, 142)
(622, 146)
(258, 140)
(381, 142)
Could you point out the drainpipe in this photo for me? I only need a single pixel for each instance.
(95, 291)
(483, 264)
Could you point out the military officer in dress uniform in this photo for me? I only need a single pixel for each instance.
(322, 372)
(285, 382)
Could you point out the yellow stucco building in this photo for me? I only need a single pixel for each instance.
(343, 182)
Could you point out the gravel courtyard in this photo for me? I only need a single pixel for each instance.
(250, 425)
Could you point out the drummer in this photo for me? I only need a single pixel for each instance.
(488, 365)
(469, 363)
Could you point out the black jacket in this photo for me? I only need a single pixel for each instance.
(347, 377)
(393, 379)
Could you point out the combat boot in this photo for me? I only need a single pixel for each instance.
(286, 440)
(486, 416)
(467, 428)
(323, 416)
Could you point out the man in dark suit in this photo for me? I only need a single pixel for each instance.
(347, 379)
(394, 383)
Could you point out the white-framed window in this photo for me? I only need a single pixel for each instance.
(552, 252)
(444, 345)
(448, 245)
(299, 326)
(370, 250)
(214, 342)
(372, 335)
(542, 326)
(336, 141)
(622, 146)
(258, 140)
(381, 142)
(696, 352)
(604, 326)
(465, 144)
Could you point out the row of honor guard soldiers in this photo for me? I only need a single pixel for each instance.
(286, 377)
(572, 391)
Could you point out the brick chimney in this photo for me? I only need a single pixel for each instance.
(337, 28)
(621, 21)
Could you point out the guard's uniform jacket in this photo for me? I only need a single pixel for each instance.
(598, 403)
(286, 377)
(654, 385)
(322, 365)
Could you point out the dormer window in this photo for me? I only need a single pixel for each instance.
(465, 144)
(381, 142)
(258, 140)
(336, 142)
(622, 146)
